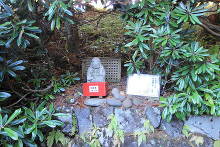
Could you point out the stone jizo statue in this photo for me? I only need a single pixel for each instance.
(96, 71)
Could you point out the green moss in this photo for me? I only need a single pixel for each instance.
(103, 36)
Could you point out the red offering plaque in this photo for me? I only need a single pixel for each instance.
(95, 89)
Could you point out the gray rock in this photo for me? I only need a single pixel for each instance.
(130, 141)
(153, 114)
(114, 102)
(116, 94)
(95, 102)
(96, 71)
(206, 125)
(67, 128)
(83, 119)
(127, 103)
(67, 120)
(104, 140)
(130, 120)
(100, 115)
(173, 128)
(75, 145)
(137, 101)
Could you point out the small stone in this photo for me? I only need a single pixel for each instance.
(127, 103)
(153, 114)
(72, 101)
(95, 102)
(137, 101)
(117, 95)
(114, 102)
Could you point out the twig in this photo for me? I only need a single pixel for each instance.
(206, 26)
(42, 90)
(19, 99)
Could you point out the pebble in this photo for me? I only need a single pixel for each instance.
(114, 102)
(117, 95)
(127, 103)
(72, 101)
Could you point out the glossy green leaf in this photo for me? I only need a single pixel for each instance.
(12, 134)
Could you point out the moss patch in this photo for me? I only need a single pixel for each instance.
(104, 35)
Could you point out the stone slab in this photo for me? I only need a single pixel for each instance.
(153, 114)
(206, 125)
(83, 119)
(130, 120)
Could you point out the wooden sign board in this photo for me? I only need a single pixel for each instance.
(144, 85)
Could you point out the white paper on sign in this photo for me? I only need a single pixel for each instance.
(93, 89)
(144, 85)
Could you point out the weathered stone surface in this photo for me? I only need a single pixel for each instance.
(130, 120)
(153, 114)
(116, 94)
(83, 119)
(137, 101)
(104, 139)
(114, 102)
(67, 120)
(173, 128)
(130, 141)
(95, 102)
(127, 103)
(67, 128)
(100, 115)
(206, 125)
(96, 71)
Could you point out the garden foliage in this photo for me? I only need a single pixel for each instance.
(19, 28)
(162, 44)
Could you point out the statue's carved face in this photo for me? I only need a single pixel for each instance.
(96, 63)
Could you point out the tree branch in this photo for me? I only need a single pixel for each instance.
(208, 26)
(24, 96)
(43, 90)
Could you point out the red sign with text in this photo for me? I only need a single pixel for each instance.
(95, 89)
